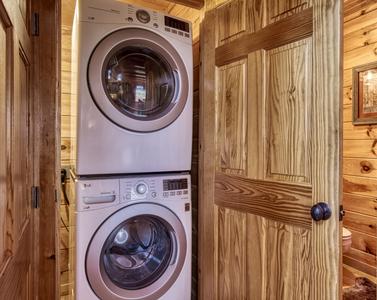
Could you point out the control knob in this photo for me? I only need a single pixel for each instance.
(141, 188)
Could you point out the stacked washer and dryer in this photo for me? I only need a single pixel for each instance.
(132, 77)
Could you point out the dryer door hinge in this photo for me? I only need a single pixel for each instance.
(341, 213)
(35, 24)
(35, 196)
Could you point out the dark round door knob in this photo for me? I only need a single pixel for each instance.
(320, 211)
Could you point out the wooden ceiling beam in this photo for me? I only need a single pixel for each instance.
(198, 4)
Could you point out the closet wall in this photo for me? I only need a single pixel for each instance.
(360, 144)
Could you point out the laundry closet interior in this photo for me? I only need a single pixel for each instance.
(235, 80)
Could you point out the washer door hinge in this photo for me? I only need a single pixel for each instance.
(35, 196)
(341, 213)
(35, 24)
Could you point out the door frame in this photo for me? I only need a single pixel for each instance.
(45, 70)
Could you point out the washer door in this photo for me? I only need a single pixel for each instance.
(138, 80)
(137, 253)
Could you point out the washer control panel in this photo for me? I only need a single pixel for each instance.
(155, 188)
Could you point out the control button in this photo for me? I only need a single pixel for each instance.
(174, 31)
(129, 19)
(187, 35)
(155, 25)
(180, 33)
(153, 194)
(179, 193)
(172, 193)
(165, 194)
(185, 192)
(141, 188)
(167, 29)
(143, 16)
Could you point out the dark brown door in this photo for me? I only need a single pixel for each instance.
(16, 152)
(270, 150)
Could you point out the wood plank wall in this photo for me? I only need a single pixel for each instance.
(360, 158)
(67, 226)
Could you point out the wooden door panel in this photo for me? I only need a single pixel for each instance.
(270, 150)
(232, 255)
(232, 106)
(6, 242)
(20, 153)
(280, 9)
(16, 227)
(232, 15)
(288, 112)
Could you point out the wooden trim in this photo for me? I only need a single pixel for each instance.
(285, 31)
(198, 4)
(272, 200)
(46, 77)
(207, 134)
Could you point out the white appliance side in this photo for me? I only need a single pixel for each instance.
(165, 150)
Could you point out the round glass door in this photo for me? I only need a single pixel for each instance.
(137, 253)
(138, 80)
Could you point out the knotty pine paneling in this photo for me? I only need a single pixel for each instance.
(360, 142)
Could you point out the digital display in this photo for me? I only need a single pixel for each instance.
(175, 184)
(177, 24)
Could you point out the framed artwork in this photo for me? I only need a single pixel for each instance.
(365, 94)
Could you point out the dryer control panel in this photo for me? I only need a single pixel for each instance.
(114, 12)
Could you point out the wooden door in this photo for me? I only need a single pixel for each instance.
(16, 151)
(270, 150)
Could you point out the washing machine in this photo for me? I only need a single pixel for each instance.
(133, 238)
(131, 90)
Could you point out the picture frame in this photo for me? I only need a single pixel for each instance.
(364, 100)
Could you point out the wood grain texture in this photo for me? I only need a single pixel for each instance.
(365, 258)
(6, 244)
(295, 27)
(232, 117)
(232, 16)
(327, 99)
(279, 10)
(207, 159)
(359, 185)
(288, 251)
(46, 83)
(360, 167)
(273, 269)
(256, 130)
(357, 264)
(360, 148)
(364, 242)
(17, 244)
(288, 105)
(359, 200)
(276, 201)
(232, 254)
(359, 222)
(362, 132)
(360, 204)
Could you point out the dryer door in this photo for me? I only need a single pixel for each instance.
(137, 253)
(138, 80)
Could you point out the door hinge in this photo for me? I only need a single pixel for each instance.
(35, 24)
(35, 196)
(341, 213)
